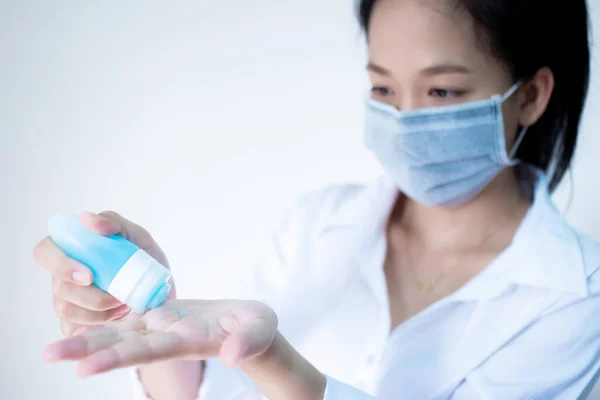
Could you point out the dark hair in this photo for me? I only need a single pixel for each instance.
(528, 35)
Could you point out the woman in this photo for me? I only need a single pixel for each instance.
(452, 277)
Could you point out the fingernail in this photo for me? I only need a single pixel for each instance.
(119, 317)
(123, 308)
(232, 361)
(94, 215)
(121, 311)
(81, 277)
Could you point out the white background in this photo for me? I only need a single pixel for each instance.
(200, 120)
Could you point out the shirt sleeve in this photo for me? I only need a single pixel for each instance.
(336, 390)
(558, 357)
(138, 390)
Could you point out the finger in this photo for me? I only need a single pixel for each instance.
(110, 223)
(61, 266)
(99, 224)
(82, 316)
(132, 322)
(68, 329)
(161, 320)
(80, 346)
(90, 297)
(138, 235)
(93, 339)
(173, 293)
(247, 338)
(135, 349)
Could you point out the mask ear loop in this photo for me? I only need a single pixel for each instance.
(511, 91)
(517, 143)
(523, 131)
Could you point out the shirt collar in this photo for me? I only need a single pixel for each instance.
(550, 247)
(545, 252)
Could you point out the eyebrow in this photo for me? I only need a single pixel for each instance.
(445, 69)
(439, 69)
(378, 69)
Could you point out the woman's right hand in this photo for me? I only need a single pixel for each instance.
(77, 302)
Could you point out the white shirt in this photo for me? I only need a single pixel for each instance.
(526, 327)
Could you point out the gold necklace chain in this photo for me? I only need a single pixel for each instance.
(428, 287)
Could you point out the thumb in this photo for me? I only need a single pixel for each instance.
(250, 339)
(109, 223)
(99, 224)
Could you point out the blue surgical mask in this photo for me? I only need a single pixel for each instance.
(441, 156)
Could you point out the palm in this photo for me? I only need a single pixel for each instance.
(190, 329)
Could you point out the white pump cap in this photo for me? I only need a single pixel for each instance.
(139, 281)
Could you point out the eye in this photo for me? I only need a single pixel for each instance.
(444, 93)
(381, 91)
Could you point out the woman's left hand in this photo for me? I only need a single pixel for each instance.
(233, 330)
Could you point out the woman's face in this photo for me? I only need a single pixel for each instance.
(422, 53)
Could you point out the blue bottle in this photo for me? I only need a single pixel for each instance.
(119, 267)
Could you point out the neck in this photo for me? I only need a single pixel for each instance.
(501, 205)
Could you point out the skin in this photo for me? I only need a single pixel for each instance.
(170, 342)
(424, 54)
(412, 42)
(78, 304)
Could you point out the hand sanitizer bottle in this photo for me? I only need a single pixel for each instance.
(119, 267)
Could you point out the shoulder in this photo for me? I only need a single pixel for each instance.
(318, 208)
(329, 218)
(331, 198)
(553, 319)
(583, 310)
(590, 251)
(311, 213)
(553, 255)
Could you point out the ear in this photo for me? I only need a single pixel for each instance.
(535, 96)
